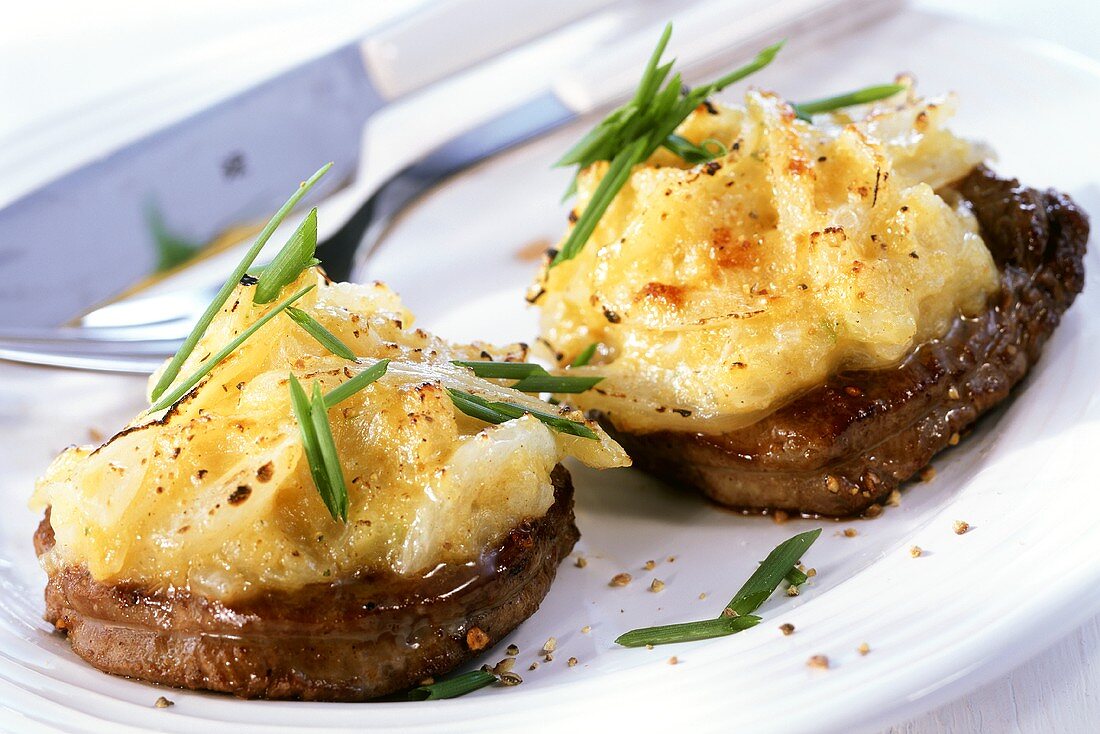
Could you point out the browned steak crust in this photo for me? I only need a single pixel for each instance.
(843, 446)
(347, 641)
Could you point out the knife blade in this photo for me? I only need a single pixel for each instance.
(154, 203)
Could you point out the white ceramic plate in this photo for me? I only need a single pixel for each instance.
(938, 626)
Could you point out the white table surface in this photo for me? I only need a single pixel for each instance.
(1053, 692)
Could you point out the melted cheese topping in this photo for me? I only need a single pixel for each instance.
(216, 496)
(719, 291)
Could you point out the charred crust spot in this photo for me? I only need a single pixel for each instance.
(247, 279)
(240, 494)
(670, 294)
(712, 168)
(265, 472)
(611, 316)
(682, 411)
(573, 216)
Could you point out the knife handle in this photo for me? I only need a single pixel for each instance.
(709, 32)
(438, 41)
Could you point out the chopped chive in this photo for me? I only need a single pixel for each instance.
(500, 412)
(805, 110)
(795, 577)
(504, 370)
(296, 256)
(357, 383)
(771, 572)
(480, 410)
(606, 191)
(453, 687)
(303, 413)
(562, 425)
(737, 616)
(531, 377)
(555, 383)
(183, 387)
(324, 337)
(705, 151)
(336, 496)
(687, 631)
(586, 356)
(171, 371)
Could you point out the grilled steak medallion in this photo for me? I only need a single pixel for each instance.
(197, 548)
(349, 640)
(842, 447)
(802, 322)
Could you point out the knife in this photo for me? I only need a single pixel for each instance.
(152, 205)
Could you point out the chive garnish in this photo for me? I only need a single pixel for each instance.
(737, 615)
(324, 337)
(771, 572)
(705, 151)
(183, 387)
(796, 577)
(454, 687)
(500, 412)
(531, 377)
(502, 370)
(296, 256)
(631, 133)
(586, 356)
(357, 383)
(171, 371)
(336, 491)
(805, 110)
(687, 631)
(320, 448)
(555, 383)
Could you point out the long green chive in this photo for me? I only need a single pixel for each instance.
(771, 572)
(453, 687)
(737, 616)
(171, 371)
(476, 409)
(531, 377)
(502, 370)
(337, 491)
(324, 337)
(555, 383)
(183, 387)
(346, 390)
(805, 110)
(586, 356)
(606, 191)
(296, 256)
(686, 631)
(500, 412)
(303, 413)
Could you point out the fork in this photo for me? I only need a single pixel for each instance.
(111, 340)
(140, 348)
